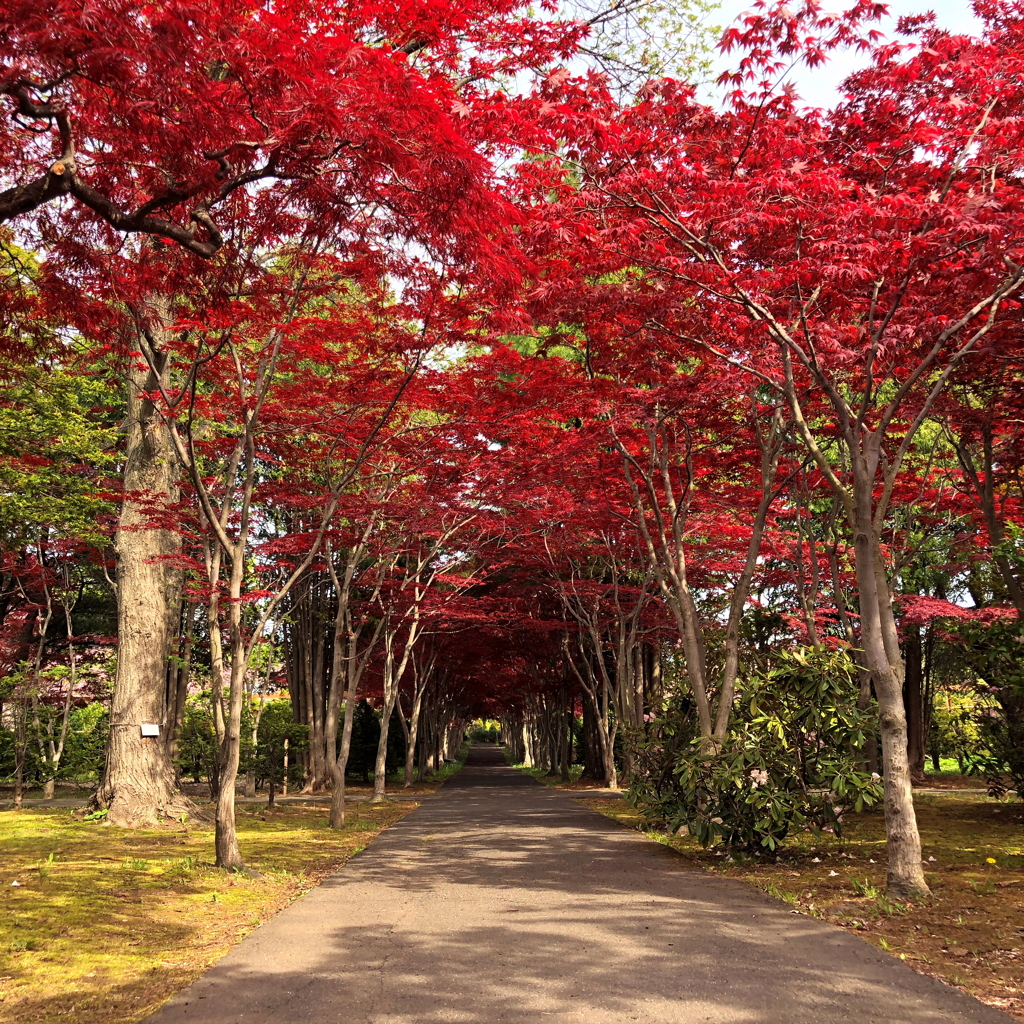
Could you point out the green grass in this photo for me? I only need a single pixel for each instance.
(104, 924)
(541, 774)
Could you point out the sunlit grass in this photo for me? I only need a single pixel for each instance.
(104, 923)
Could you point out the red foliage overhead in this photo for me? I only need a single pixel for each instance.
(688, 278)
(230, 126)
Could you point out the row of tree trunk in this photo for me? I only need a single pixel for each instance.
(604, 699)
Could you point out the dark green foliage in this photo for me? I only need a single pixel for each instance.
(789, 764)
(365, 737)
(83, 749)
(995, 650)
(197, 743)
(396, 744)
(198, 752)
(266, 760)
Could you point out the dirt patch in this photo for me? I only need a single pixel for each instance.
(970, 935)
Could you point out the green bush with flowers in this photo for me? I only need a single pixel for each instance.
(792, 761)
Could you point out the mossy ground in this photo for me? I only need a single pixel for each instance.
(970, 934)
(104, 924)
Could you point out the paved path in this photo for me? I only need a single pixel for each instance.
(502, 900)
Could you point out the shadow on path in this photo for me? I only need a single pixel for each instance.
(503, 900)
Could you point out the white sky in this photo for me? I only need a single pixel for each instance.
(817, 86)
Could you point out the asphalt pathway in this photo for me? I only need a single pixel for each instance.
(499, 899)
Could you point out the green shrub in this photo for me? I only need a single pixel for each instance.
(266, 758)
(198, 752)
(84, 747)
(485, 733)
(790, 763)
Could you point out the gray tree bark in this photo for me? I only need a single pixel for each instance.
(138, 786)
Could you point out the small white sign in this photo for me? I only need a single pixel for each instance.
(150, 730)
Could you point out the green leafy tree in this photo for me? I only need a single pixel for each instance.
(55, 450)
(276, 729)
(198, 750)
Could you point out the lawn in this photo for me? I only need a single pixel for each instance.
(971, 934)
(101, 924)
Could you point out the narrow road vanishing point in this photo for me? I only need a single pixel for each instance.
(502, 900)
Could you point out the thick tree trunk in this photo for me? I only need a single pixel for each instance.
(139, 786)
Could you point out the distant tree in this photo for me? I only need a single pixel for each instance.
(365, 737)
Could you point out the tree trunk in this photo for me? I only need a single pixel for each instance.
(882, 660)
(565, 753)
(605, 742)
(411, 739)
(527, 741)
(178, 692)
(593, 767)
(340, 764)
(319, 764)
(20, 744)
(229, 854)
(139, 786)
(381, 764)
(913, 696)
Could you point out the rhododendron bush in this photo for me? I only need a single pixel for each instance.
(790, 762)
